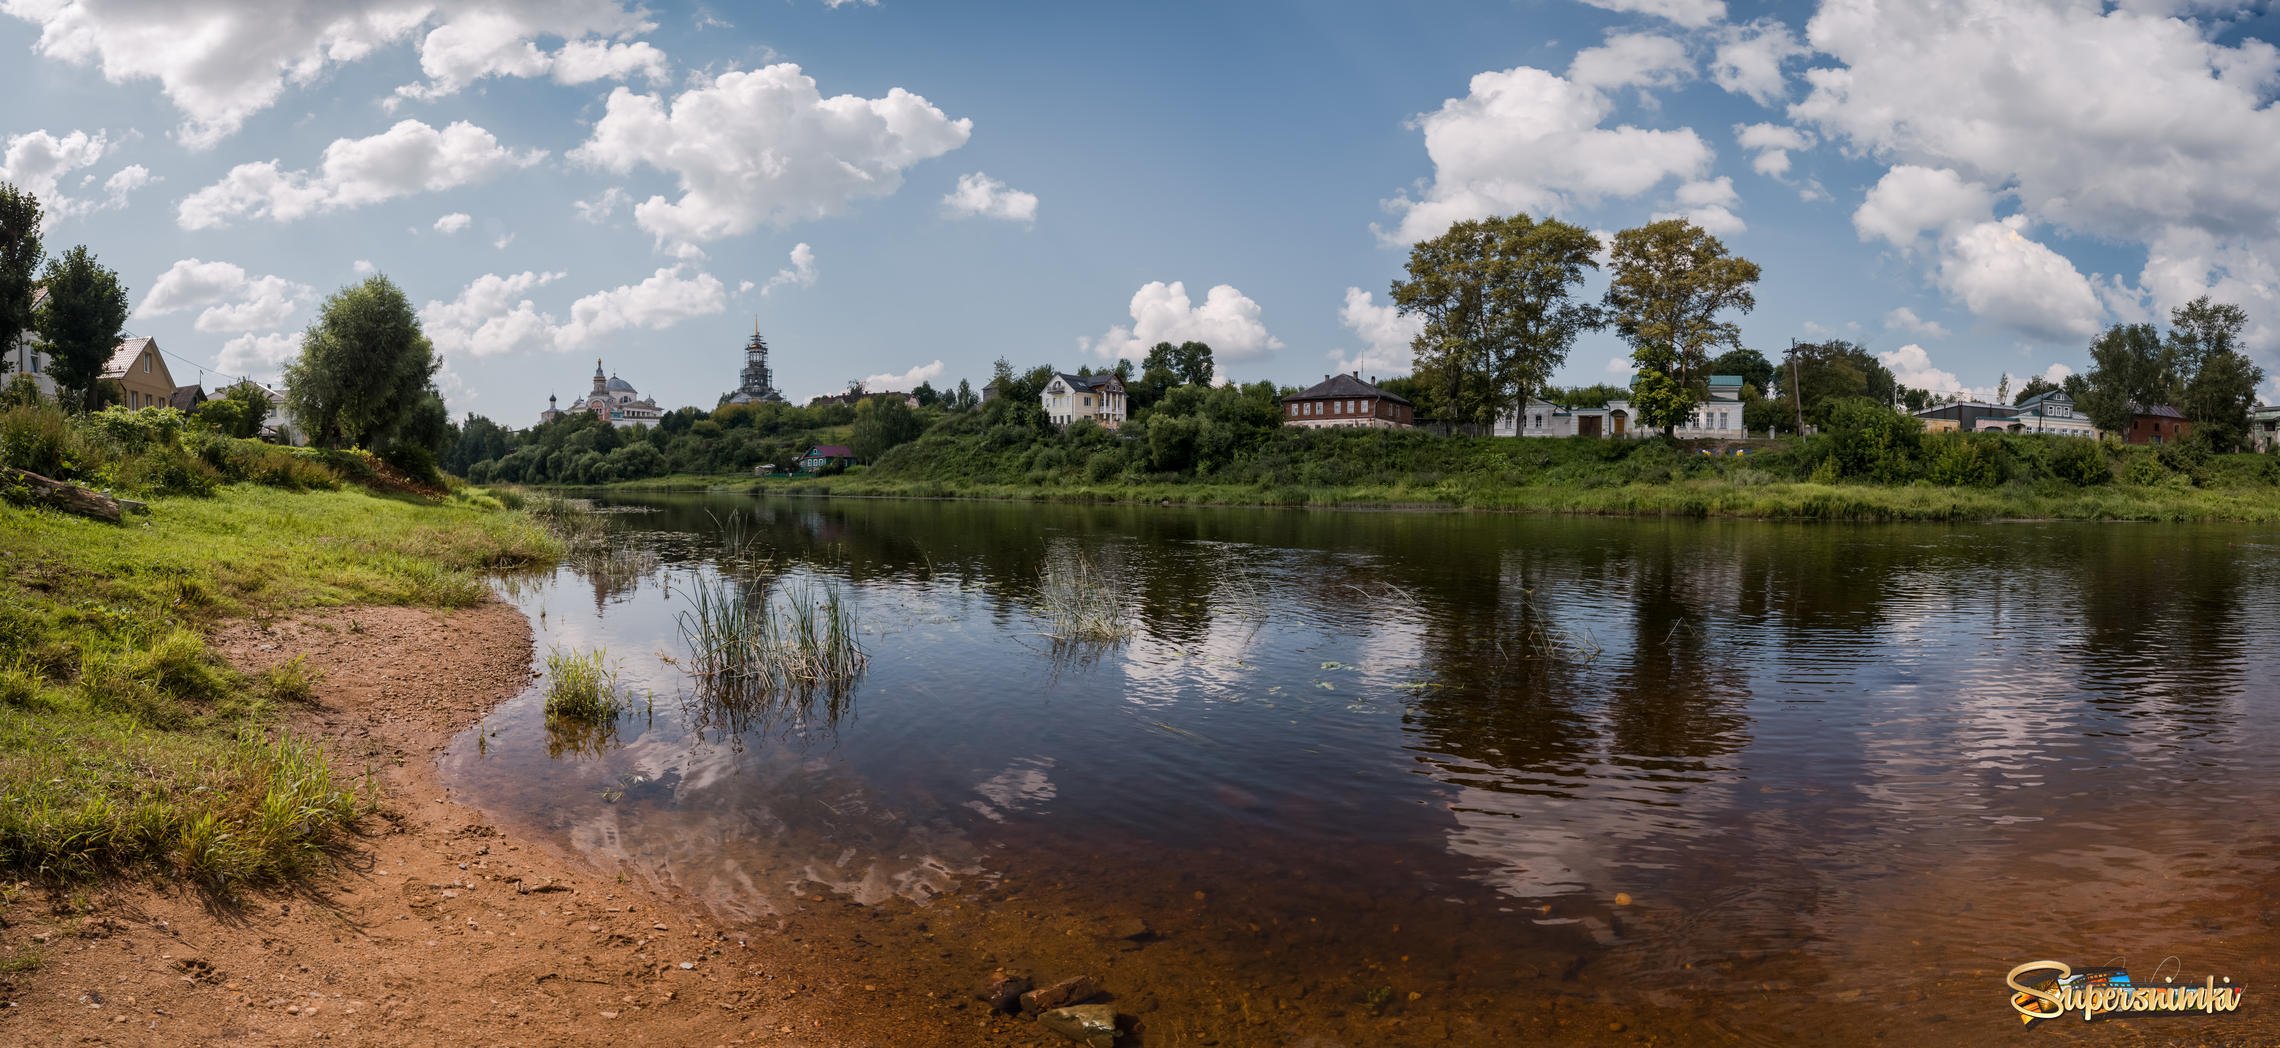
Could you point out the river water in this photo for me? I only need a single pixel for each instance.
(1390, 778)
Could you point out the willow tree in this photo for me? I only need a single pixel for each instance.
(1500, 315)
(1672, 281)
(365, 376)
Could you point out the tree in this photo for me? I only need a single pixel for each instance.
(2129, 368)
(238, 412)
(2003, 388)
(1159, 372)
(965, 399)
(365, 373)
(1825, 373)
(882, 424)
(1192, 363)
(1671, 281)
(19, 259)
(927, 395)
(2219, 381)
(1500, 316)
(80, 321)
(2035, 387)
(1750, 364)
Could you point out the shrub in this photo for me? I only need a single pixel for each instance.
(166, 471)
(1869, 440)
(2076, 461)
(38, 437)
(1963, 460)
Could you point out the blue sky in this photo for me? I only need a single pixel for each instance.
(1972, 187)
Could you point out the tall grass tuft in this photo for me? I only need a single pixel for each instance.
(1080, 601)
(771, 655)
(581, 688)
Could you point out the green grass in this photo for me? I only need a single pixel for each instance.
(125, 744)
(581, 688)
(1080, 601)
(753, 648)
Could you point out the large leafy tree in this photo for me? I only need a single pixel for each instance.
(19, 260)
(1497, 298)
(2035, 387)
(883, 424)
(1192, 362)
(80, 320)
(2219, 381)
(2129, 366)
(1673, 282)
(366, 373)
(1816, 376)
(1750, 364)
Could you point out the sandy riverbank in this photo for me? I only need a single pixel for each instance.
(439, 928)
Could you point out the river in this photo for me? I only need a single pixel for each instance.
(1391, 778)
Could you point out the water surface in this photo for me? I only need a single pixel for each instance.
(1378, 778)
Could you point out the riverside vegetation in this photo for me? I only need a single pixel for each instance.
(126, 745)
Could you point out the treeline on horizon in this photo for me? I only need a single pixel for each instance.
(1499, 309)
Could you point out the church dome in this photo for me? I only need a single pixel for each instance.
(620, 385)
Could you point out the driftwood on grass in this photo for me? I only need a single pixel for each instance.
(63, 495)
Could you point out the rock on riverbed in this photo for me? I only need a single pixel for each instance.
(1092, 1025)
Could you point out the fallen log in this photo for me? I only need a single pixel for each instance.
(62, 495)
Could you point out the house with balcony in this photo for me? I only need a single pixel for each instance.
(1100, 398)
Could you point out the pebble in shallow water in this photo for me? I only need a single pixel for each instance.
(1093, 1025)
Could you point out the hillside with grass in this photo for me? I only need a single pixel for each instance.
(126, 745)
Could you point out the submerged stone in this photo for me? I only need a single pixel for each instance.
(1003, 990)
(1092, 1025)
(1065, 992)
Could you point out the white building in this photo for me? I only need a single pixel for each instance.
(28, 356)
(615, 399)
(1068, 398)
(1718, 418)
(2051, 412)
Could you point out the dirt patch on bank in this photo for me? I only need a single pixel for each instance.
(439, 928)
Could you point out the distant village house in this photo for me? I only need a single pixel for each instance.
(139, 372)
(825, 456)
(1342, 401)
(1717, 418)
(1100, 398)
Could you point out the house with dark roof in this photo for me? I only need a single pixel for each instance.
(2159, 424)
(1100, 398)
(187, 398)
(825, 456)
(1345, 400)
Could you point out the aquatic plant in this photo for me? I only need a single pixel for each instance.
(793, 639)
(1080, 602)
(581, 688)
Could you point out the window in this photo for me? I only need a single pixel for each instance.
(1293, 410)
(146, 363)
(1088, 401)
(1539, 421)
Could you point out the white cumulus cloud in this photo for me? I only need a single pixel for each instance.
(38, 163)
(1905, 319)
(764, 146)
(260, 357)
(495, 314)
(1693, 14)
(1749, 60)
(1385, 334)
(220, 61)
(906, 381)
(453, 222)
(410, 157)
(1527, 140)
(2002, 275)
(1227, 319)
(1709, 203)
(1631, 60)
(801, 272)
(228, 299)
(979, 196)
(1912, 366)
(1772, 144)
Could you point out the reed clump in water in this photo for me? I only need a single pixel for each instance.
(797, 639)
(581, 689)
(1080, 602)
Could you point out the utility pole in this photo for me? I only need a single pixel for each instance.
(1796, 391)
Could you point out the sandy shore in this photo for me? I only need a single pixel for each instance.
(439, 928)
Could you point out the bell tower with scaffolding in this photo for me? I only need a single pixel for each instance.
(756, 384)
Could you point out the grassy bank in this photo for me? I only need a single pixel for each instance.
(1931, 477)
(125, 744)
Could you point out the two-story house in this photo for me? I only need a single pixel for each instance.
(1100, 398)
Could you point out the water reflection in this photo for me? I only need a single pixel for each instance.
(1796, 751)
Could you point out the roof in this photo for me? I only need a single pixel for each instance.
(837, 451)
(2043, 396)
(186, 397)
(619, 385)
(2159, 411)
(1343, 385)
(124, 356)
(1725, 380)
(1087, 381)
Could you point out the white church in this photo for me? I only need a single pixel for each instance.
(612, 398)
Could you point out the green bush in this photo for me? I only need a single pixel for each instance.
(2076, 461)
(39, 438)
(1963, 460)
(1870, 441)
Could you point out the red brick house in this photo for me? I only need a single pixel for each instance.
(1346, 400)
(2159, 424)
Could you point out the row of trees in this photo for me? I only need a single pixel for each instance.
(1498, 301)
(2197, 366)
(79, 319)
(364, 377)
